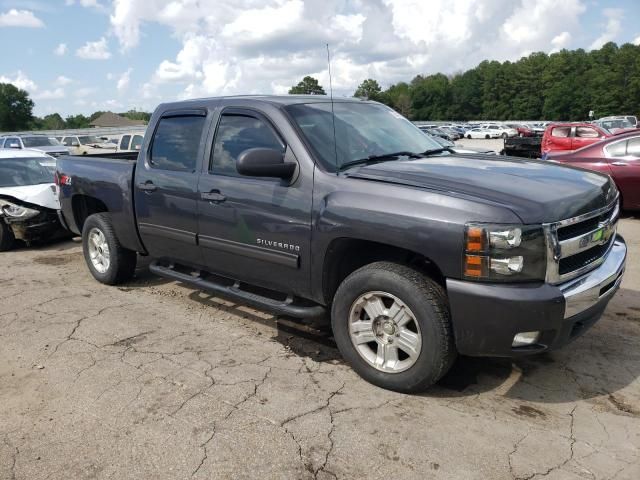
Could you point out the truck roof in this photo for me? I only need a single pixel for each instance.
(272, 99)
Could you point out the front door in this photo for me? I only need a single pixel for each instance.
(166, 188)
(255, 230)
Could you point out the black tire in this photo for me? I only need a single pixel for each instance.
(428, 302)
(122, 262)
(505, 135)
(7, 239)
(487, 137)
(469, 136)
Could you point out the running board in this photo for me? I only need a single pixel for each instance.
(234, 292)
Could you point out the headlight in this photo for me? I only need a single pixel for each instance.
(504, 253)
(16, 211)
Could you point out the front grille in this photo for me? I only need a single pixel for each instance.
(580, 260)
(580, 244)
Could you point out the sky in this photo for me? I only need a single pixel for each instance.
(79, 56)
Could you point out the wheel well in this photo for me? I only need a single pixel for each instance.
(346, 255)
(85, 206)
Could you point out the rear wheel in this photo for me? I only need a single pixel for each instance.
(7, 239)
(391, 323)
(108, 261)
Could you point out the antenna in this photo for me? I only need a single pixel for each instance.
(333, 115)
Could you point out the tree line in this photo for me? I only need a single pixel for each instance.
(561, 86)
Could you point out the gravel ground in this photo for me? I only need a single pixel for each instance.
(155, 380)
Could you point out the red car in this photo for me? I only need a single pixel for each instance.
(523, 130)
(571, 136)
(618, 156)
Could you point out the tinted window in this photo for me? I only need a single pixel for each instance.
(586, 132)
(70, 141)
(562, 132)
(235, 134)
(124, 143)
(617, 149)
(633, 148)
(176, 142)
(137, 142)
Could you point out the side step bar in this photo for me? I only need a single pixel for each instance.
(233, 292)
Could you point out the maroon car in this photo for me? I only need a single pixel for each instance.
(618, 156)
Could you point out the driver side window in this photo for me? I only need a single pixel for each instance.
(235, 134)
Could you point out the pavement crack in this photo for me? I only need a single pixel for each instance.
(205, 453)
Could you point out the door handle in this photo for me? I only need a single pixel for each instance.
(213, 196)
(619, 164)
(147, 187)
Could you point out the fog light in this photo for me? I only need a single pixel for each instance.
(523, 339)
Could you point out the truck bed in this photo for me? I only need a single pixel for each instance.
(528, 147)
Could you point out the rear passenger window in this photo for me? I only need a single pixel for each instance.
(124, 143)
(562, 132)
(176, 143)
(235, 134)
(618, 149)
(586, 132)
(633, 149)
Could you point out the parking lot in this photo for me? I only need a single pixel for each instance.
(156, 380)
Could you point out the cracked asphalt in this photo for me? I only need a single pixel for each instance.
(155, 380)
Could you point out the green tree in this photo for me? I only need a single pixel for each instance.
(16, 108)
(135, 115)
(307, 86)
(53, 122)
(370, 89)
(77, 121)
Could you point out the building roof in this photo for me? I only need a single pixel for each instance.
(110, 119)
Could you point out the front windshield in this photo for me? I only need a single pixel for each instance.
(20, 172)
(87, 139)
(30, 142)
(362, 130)
(609, 124)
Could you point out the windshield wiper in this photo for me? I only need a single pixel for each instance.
(379, 158)
(435, 151)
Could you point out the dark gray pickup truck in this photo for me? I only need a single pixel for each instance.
(298, 206)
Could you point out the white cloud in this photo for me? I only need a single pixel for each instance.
(612, 29)
(123, 80)
(21, 81)
(98, 50)
(85, 92)
(560, 41)
(61, 49)
(53, 94)
(636, 41)
(62, 81)
(20, 18)
(85, 3)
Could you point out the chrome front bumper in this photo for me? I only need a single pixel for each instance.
(599, 284)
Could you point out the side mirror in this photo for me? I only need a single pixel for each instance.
(264, 162)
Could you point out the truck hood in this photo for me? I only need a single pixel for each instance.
(536, 191)
(43, 195)
(52, 149)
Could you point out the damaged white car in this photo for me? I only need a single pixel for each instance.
(28, 200)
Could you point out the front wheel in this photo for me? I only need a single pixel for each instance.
(505, 135)
(469, 136)
(7, 239)
(487, 137)
(391, 323)
(107, 260)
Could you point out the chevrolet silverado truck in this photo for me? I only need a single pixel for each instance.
(299, 206)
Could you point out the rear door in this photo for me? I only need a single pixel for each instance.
(255, 230)
(124, 143)
(625, 169)
(166, 187)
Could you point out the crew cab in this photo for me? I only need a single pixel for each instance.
(304, 207)
(571, 136)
